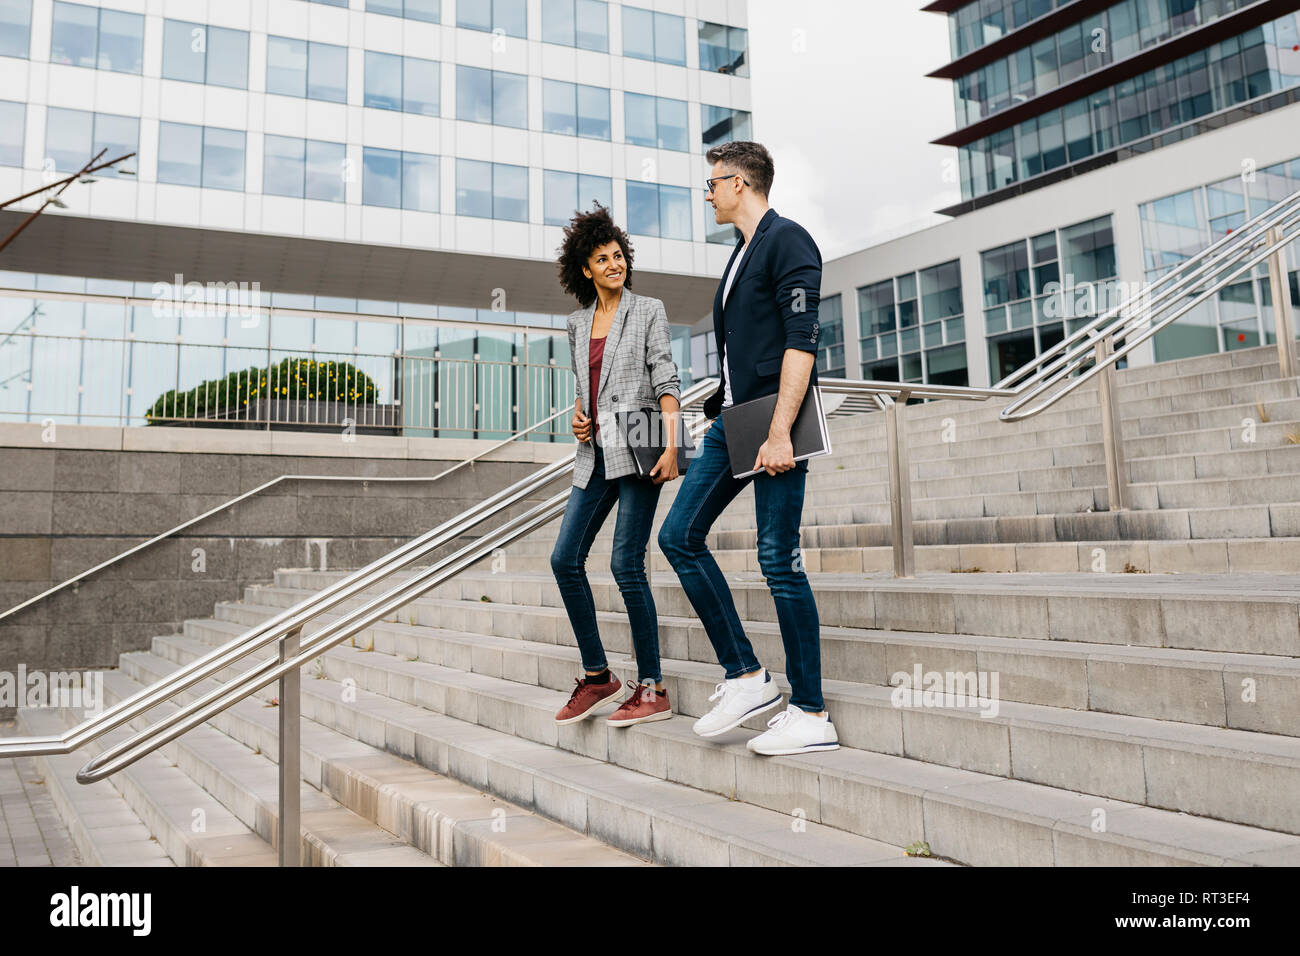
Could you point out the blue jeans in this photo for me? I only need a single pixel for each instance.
(584, 514)
(707, 489)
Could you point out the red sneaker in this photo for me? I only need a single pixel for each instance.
(587, 697)
(644, 705)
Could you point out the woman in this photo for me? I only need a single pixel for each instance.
(622, 360)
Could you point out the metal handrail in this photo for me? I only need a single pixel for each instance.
(1074, 350)
(262, 487)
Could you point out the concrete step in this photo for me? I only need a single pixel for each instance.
(1197, 687)
(363, 807)
(647, 814)
(1239, 613)
(737, 551)
(104, 828)
(1141, 760)
(966, 815)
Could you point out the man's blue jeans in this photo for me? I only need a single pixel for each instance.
(584, 514)
(707, 489)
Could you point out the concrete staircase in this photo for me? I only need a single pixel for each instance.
(1137, 719)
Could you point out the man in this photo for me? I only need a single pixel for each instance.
(765, 325)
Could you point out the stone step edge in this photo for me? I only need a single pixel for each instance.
(999, 808)
(418, 719)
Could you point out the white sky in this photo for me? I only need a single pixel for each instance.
(849, 118)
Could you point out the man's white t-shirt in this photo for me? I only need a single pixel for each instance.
(726, 291)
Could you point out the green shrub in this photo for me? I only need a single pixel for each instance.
(292, 379)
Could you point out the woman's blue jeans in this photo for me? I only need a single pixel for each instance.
(584, 515)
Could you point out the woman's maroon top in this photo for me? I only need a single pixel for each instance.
(594, 361)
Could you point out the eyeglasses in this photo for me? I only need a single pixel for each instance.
(708, 183)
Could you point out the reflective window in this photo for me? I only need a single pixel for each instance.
(430, 11)
(15, 27)
(580, 23)
(657, 210)
(830, 338)
(491, 190)
(317, 71)
(401, 83)
(656, 122)
(575, 110)
(650, 35)
(13, 120)
(200, 156)
(205, 54)
(723, 48)
(399, 180)
(303, 169)
(564, 194)
(508, 16)
(102, 39)
(722, 125)
(491, 96)
(72, 137)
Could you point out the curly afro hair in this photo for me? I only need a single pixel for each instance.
(586, 232)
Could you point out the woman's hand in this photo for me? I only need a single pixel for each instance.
(665, 468)
(581, 425)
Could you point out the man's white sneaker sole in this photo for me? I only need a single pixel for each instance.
(791, 751)
(742, 718)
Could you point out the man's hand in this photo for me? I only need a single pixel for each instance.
(665, 468)
(776, 454)
(581, 426)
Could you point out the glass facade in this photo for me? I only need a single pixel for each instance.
(72, 137)
(15, 27)
(566, 193)
(491, 96)
(399, 180)
(430, 11)
(830, 339)
(656, 121)
(912, 327)
(196, 53)
(579, 23)
(573, 109)
(100, 39)
(1177, 227)
(403, 83)
(1041, 289)
(304, 168)
(316, 71)
(200, 156)
(508, 16)
(650, 35)
(491, 190)
(981, 22)
(658, 210)
(1081, 48)
(723, 49)
(1225, 74)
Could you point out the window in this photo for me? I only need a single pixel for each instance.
(203, 54)
(200, 156)
(491, 190)
(649, 35)
(575, 110)
(508, 16)
(490, 96)
(100, 39)
(580, 23)
(72, 137)
(830, 347)
(722, 49)
(402, 83)
(656, 122)
(400, 180)
(722, 125)
(303, 169)
(655, 210)
(430, 11)
(563, 194)
(13, 120)
(317, 71)
(15, 27)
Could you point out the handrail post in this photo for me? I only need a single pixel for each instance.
(1280, 292)
(291, 754)
(1112, 434)
(900, 487)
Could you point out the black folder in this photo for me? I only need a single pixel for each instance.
(643, 431)
(748, 423)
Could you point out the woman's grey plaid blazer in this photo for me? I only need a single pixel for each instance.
(637, 369)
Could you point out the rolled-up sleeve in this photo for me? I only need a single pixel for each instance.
(797, 279)
(659, 356)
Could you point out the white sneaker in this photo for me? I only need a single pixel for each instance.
(738, 699)
(794, 731)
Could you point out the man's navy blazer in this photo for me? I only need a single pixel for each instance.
(772, 307)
